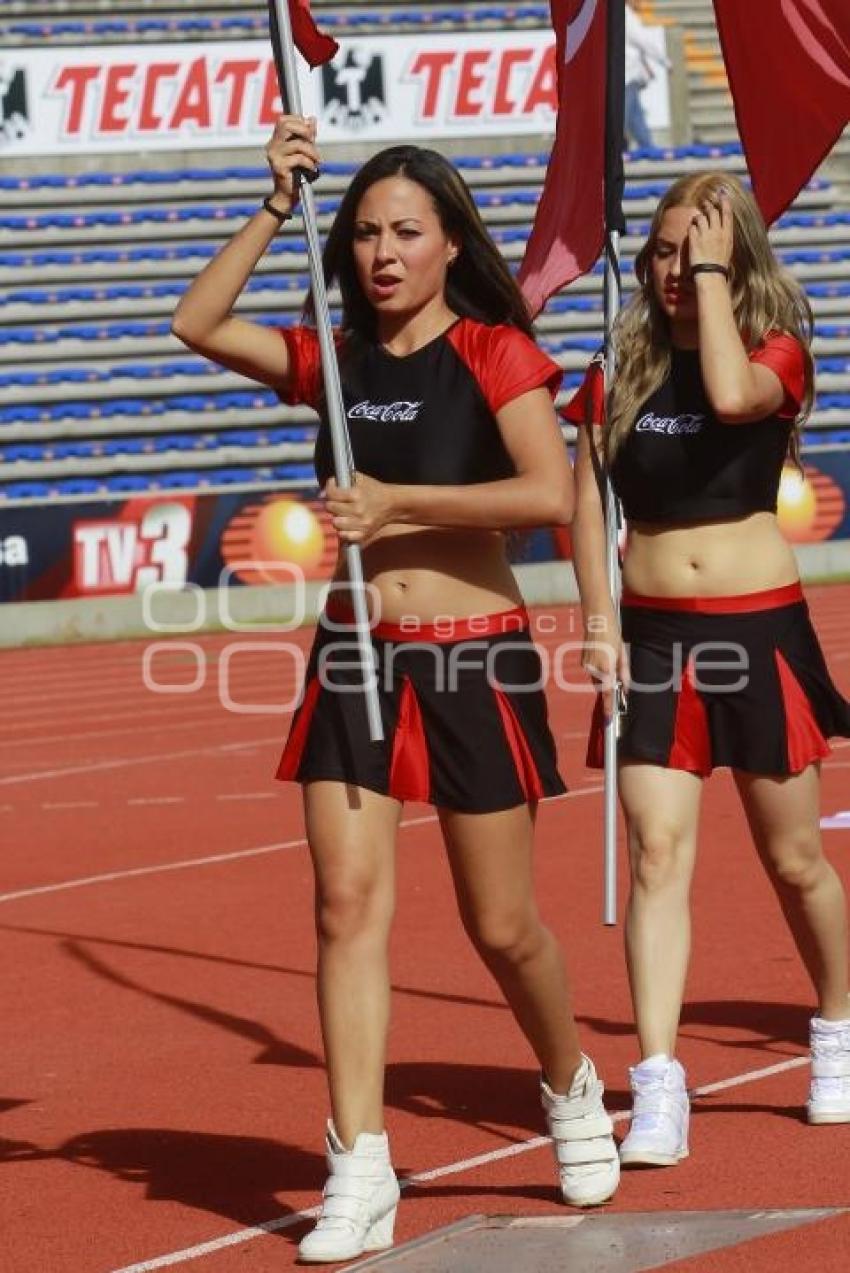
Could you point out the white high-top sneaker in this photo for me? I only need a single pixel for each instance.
(660, 1113)
(581, 1133)
(829, 1095)
(358, 1204)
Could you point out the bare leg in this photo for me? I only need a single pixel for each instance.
(784, 818)
(352, 833)
(662, 811)
(491, 861)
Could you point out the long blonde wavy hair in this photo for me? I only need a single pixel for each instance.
(765, 298)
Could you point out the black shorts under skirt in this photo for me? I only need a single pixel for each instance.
(734, 681)
(463, 710)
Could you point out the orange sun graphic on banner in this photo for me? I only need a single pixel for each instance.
(811, 505)
(262, 542)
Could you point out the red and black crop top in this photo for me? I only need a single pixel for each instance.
(678, 462)
(427, 417)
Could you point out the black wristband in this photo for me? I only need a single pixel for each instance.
(279, 216)
(710, 267)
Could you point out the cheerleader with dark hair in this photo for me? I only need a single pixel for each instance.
(455, 441)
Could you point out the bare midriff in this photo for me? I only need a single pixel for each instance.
(708, 559)
(426, 573)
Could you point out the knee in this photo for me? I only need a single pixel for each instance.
(658, 859)
(798, 864)
(506, 937)
(350, 907)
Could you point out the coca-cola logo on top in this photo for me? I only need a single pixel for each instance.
(386, 412)
(673, 425)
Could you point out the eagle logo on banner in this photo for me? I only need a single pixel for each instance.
(14, 115)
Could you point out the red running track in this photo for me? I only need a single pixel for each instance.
(162, 1083)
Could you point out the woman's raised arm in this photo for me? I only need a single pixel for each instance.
(203, 319)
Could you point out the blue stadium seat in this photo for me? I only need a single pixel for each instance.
(280, 246)
(140, 291)
(25, 490)
(179, 481)
(257, 22)
(129, 483)
(124, 446)
(28, 451)
(142, 407)
(79, 486)
(834, 401)
(256, 172)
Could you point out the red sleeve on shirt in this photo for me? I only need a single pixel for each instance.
(588, 402)
(783, 354)
(305, 366)
(504, 361)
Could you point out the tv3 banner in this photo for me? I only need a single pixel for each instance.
(172, 96)
(119, 548)
(116, 548)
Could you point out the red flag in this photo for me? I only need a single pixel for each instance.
(313, 45)
(788, 63)
(568, 229)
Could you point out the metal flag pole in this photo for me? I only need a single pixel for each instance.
(287, 71)
(614, 226)
(612, 563)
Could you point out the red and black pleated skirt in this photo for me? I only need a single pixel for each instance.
(725, 681)
(463, 709)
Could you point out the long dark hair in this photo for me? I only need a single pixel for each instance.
(479, 285)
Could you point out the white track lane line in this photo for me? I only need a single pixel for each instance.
(424, 1177)
(52, 706)
(211, 713)
(71, 674)
(118, 762)
(185, 691)
(143, 800)
(97, 686)
(207, 706)
(39, 774)
(70, 804)
(247, 795)
(165, 714)
(209, 717)
(111, 876)
(164, 709)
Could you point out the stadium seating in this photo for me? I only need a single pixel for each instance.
(97, 397)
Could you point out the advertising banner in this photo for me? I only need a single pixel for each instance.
(117, 548)
(69, 101)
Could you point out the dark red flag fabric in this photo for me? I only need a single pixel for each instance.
(568, 229)
(788, 63)
(312, 44)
